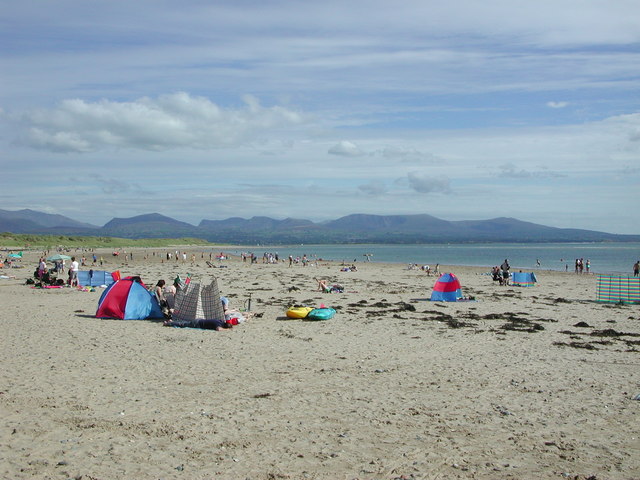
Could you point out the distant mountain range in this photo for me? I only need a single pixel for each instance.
(357, 228)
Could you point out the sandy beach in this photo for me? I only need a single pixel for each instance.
(523, 383)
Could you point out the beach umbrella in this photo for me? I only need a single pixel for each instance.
(58, 257)
(15, 255)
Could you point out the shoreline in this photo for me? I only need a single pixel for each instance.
(235, 250)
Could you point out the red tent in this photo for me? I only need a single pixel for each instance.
(446, 289)
(128, 299)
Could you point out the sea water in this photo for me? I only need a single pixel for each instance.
(603, 257)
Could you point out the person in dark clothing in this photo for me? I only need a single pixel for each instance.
(505, 271)
(203, 324)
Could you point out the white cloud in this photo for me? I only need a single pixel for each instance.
(409, 155)
(112, 186)
(509, 170)
(428, 184)
(346, 149)
(436, 94)
(557, 104)
(167, 122)
(373, 188)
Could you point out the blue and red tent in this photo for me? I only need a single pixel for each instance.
(128, 299)
(446, 289)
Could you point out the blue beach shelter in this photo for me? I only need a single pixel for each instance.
(523, 279)
(94, 278)
(446, 289)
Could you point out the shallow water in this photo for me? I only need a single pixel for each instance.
(604, 257)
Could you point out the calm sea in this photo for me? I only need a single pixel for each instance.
(604, 257)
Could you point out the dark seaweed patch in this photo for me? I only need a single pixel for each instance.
(582, 325)
(361, 303)
(523, 326)
(381, 304)
(586, 346)
(610, 332)
(405, 307)
(453, 323)
(441, 317)
(561, 300)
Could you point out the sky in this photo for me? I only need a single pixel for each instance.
(463, 110)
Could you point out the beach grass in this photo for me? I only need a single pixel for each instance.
(13, 240)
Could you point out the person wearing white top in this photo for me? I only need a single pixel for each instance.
(73, 272)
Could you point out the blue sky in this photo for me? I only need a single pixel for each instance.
(208, 110)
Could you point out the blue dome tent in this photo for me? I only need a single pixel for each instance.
(128, 299)
(446, 289)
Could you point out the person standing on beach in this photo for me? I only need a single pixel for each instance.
(636, 268)
(73, 272)
(42, 268)
(505, 271)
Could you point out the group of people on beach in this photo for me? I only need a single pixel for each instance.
(582, 266)
(49, 275)
(501, 273)
(425, 268)
(7, 262)
(351, 268)
(166, 296)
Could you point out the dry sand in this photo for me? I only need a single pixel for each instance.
(392, 387)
